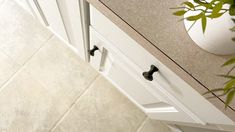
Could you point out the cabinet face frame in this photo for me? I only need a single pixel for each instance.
(85, 22)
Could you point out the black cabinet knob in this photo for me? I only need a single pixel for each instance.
(149, 74)
(92, 51)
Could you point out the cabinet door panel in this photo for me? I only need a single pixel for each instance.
(37, 11)
(72, 17)
(67, 19)
(52, 14)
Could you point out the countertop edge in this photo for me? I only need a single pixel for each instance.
(217, 102)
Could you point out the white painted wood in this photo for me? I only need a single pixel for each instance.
(126, 75)
(37, 11)
(166, 81)
(174, 128)
(72, 18)
(66, 18)
(95, 60)
(52, 14)
(133, 86)
(85, 20)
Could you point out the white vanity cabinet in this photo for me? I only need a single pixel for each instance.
(166, 97)
(162, 95)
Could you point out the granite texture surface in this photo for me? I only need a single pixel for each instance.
(152, 25)
(154, 20)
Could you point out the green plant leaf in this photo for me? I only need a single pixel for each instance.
(204, 21)
(217, 9)
(232, 10)
(215, 15)
(228, 1)
(227, 76)
(233, 39)
(233, 20)
(229, 85)
(229, 98)
(232, 29)
(207, 5)
(213, 2)
(194, 18)
(179, 13)
(229, 62)
(189, 4)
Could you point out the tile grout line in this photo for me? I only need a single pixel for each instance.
(73, 104)
(142, 124)
(24, 64)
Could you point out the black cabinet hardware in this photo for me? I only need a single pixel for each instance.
(149, 74)
(92, 51)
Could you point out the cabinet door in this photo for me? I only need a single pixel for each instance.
(73, 15)
(52, 13)
(48, 13)
(66, 18)
(36, 11)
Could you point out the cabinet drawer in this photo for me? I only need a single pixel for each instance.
(105, 62)
(165, 81)
(124, 74)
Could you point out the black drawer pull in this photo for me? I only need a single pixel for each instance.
(149, 74)
(92, 51)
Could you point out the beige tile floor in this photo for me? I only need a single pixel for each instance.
(45, 86)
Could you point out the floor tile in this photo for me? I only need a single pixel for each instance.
(102, 109)
(60, 69)
(153, 126)
(27, 106)
(7, 68)
(41, 93)
(21, 35)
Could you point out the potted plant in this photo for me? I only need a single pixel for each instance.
(208, 23)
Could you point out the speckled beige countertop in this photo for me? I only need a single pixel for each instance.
(153, 26)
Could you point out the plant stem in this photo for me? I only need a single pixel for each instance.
(230, 70)
(191, 26)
